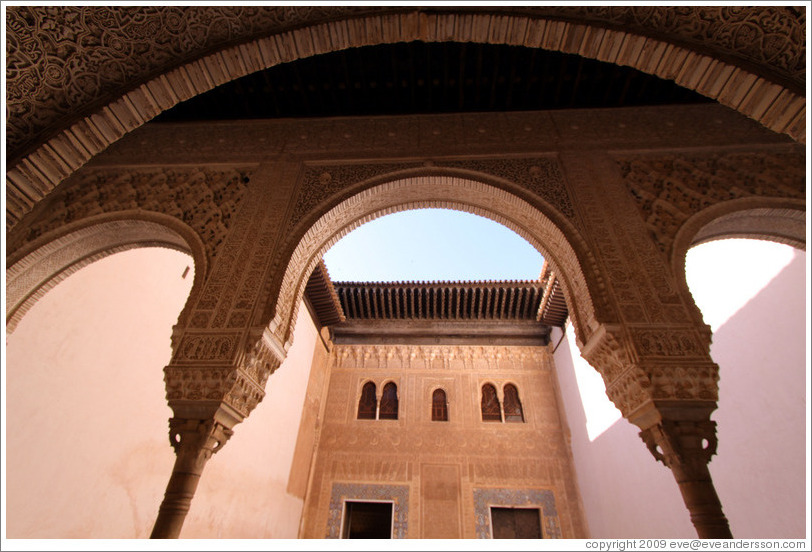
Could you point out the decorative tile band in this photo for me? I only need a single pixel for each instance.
(544, 500)
(398, 494)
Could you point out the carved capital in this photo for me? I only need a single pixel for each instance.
(199, 438)
(687, 444)
(639, 365)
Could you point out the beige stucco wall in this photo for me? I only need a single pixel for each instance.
(86, 445)
(436, 469)
(760, 467)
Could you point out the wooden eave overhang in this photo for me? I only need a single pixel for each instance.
(512, 311)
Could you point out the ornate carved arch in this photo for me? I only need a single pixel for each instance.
(449, 192)
(746, 83)
(771, 219)
(54, 257)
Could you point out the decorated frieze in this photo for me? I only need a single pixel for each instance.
(441, 357)
(196, 347)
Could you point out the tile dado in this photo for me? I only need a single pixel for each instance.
(542, 499)
(398, 494)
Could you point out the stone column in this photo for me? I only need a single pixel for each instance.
(208, 401)
(684, 439)
(671, 401)
(223, 351)
(194, 442)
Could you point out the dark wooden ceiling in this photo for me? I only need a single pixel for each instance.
(425, 78)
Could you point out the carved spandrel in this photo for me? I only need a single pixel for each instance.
(669, 189)
(205, 199)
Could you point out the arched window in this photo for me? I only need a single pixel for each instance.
(389, 402)
(368, 403)
(513, 406)
(439, 406)
(491, 411)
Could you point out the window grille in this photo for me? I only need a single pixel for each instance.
(491, 410)
(368, 403)
(389, 402)
(513, 406)
(439, 406)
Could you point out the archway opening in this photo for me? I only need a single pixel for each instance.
(752, 293)
(432, 245)
(83, 383)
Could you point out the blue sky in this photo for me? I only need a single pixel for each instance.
(431, 245)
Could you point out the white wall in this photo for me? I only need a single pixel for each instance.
(87, 447)
(760, 467)
(625, 493)
(761, 463)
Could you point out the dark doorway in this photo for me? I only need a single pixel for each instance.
(367, 520)
(516, 523)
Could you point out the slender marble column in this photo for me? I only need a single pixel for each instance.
(194, 442)
(686, 447)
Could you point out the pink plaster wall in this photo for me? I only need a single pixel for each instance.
(86, 434)
(760, 467)
(87, 450)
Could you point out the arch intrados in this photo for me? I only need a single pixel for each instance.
(54, 257)
(777, 220)
(446, 192)
(742, 90)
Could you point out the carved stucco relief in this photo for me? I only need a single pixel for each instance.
(205, 199)
(639, 365)
(61, 59)
(669, 189)
(231, 368)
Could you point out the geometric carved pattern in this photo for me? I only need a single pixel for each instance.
(540, 175)
(321, 182)
(206, 199)
(398, 494)
(101, 49)
(542, 499)
(641, 365)
(670, 189)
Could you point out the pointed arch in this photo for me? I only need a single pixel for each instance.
(512, 404)
(439, 406)
(389, 402)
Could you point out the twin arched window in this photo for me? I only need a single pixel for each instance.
(492, 409)
(368, 403)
